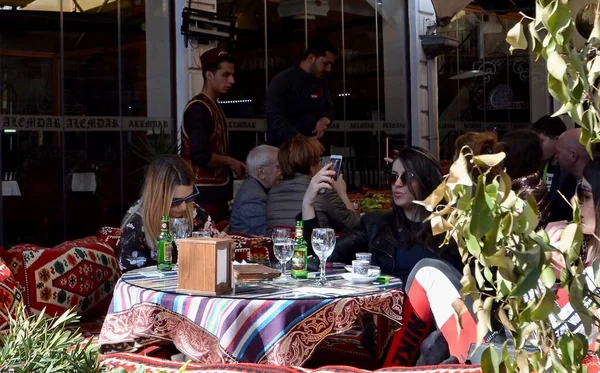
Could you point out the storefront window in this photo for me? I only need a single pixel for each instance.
(81, 84)
(87, 95)
(367, 83)
(482, 86)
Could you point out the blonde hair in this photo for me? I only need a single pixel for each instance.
(163, 176)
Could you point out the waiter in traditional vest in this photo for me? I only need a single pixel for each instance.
(205, 140)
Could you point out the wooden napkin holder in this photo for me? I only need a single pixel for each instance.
(205, 265)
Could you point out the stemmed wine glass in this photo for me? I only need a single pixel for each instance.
(323, 242)
(283, 248)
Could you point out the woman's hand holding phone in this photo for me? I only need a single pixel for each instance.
(340, 185)
(322, 180)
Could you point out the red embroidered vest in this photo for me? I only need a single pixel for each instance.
(213, 176)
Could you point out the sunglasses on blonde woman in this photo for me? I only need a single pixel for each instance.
(405, 177)
(178, 201)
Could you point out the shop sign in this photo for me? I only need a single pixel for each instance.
(147, 124)
(250, 125)
(393, 127)
(92, 124)
(83, 124)
(31, 122)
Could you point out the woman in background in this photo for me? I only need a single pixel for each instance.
(299, 160)
(168, 190)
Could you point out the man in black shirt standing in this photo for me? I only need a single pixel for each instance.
(298, 99)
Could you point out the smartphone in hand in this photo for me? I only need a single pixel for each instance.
(336, 165)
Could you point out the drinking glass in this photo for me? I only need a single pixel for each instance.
(283, 248)
(323, 242)
(180, 228)
(202, 233)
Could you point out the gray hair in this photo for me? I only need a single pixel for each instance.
(261, 156)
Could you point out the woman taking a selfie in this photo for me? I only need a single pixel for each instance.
(168, 190)
(299, 160)
(399, 239)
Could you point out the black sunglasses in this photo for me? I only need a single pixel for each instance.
(392, 178)
(178, 201)
(583, 192)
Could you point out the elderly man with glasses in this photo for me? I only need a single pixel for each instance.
(249, 214)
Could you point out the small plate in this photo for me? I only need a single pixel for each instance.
(373, 270)
(357, 279)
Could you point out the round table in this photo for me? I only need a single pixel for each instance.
(259, 323)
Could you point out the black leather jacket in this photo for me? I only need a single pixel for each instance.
(367, 237)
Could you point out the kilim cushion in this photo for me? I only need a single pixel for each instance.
(79, 274)
(130, 362)
(432, 369)
(252, 248)
(10, 295)
(110, 236)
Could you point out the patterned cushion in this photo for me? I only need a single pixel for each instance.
(130, 362)
(110, 236)
(80, 274)
(10, 294)
(252, 248)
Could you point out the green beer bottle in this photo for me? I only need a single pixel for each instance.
(300, 257)
(165, 246)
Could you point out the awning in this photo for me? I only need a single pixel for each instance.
(446, 9)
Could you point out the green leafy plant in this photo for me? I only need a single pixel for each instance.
(508, 266)
(574, 70)
(37, 343)
(152, 146)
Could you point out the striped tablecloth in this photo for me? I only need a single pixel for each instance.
(264, 322)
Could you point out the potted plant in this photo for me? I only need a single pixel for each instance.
(37, 343)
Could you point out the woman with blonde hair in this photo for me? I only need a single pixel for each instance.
(168, 190)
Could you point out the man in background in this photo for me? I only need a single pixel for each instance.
(548, 129)
(204, 135)
(249, 213)
(572, 158)
(298, 99)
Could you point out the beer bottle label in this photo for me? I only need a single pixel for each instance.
(298, 260)
(166, 251)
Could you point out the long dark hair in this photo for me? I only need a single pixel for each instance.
(427, 173)
(591, 173)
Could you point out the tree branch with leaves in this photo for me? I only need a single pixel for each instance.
(573, 72)
(509, 271)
